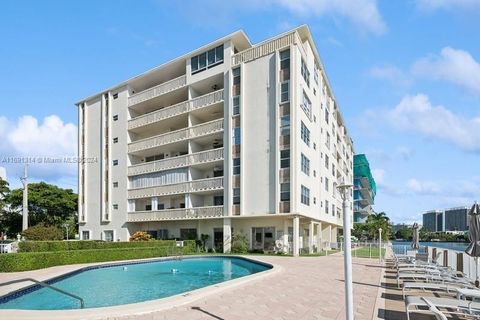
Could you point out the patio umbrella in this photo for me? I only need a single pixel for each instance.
(415, 239)
(473, 248)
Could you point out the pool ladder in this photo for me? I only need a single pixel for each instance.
(46, 285)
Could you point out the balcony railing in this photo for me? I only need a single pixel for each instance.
(266, 48)
(184, 187)
(176, 214)
(178, 135)
(176, 162)
(157, 90)
(176, 109)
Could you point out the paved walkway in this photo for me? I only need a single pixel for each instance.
(304, 288)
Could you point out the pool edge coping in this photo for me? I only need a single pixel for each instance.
(145, 307)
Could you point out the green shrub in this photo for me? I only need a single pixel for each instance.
(41, 232)
(239, 243)
(44, 246)
(14, 262)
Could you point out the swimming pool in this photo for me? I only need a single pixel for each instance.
(118, 284)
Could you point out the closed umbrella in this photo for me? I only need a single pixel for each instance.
(415, 239)
(473, 248)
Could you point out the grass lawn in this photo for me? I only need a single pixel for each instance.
(367, 252)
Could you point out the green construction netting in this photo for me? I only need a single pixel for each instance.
(361, 168)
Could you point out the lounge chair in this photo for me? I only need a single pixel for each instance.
(449, 287)
(463, 307)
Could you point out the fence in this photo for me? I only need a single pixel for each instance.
(6, 248)
(364, 249)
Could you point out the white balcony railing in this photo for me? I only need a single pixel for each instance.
(176, 162)
(176, 109)
(174, 136)
(184, 187)
(263, 49)
(176, 214)
(157, 90)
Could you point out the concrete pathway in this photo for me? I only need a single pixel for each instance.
(304, 288)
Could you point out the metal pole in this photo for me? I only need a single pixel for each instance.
(347, 256)
(24, 181)
(380, 244)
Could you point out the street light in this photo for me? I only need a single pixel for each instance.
(380, 244)
(66, 226)
(347, 251)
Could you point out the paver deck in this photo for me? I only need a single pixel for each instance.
(304, 288)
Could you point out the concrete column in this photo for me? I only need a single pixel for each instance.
(311, 231)
(330, 234)
(319, 236)
(227, 235)
(296, 236)
(154, 203)
(285, 236)
(131, 205)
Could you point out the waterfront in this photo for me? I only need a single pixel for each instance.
(457, 246)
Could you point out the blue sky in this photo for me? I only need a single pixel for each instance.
(406, 75)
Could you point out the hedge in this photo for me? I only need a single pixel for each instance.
(44, 246)
(14, 262)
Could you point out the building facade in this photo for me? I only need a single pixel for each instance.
(365, 189)
(229, 138)
(433, 221)
(456, 219)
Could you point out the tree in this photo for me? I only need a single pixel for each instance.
(10, 221)
(40, 232)
(47, 204)
(376, 221)
(404, 233)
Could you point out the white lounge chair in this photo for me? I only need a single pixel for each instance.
(452, 306)
(449, 287)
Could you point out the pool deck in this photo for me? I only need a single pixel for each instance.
(296, 288)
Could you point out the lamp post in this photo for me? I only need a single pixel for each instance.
(380, 244)
(66, 227)
(347, 251)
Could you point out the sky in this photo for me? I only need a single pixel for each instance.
(406, 75)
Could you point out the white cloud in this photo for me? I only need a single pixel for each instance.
(417, 114)
(452, 65)
(28, 138)
(423, 187)
(431, 5)
(363, 13)
(390, 73)
(378, 176)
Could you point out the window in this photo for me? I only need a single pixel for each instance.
(236, 136)
(305, 134)
(188, 234)
(333, 210)
(285, 59)
(314, 200)
(160, 206)
(326, 206)
(305, 195)
(207, 59)
(327, 162)
(108, 235)
(86, 235)
(285, 125)
(314, 173)
(333, 169)
(285, 159)
(236, 76)
(326, 115)
(115, 140)
(305, 73)
(115, 184)
(307, 106)
(326, 184)
(305, 163)
(285, 91)
(236, 166)
(115, 162)
(315, 74)
(236, 195)
(236, 105)
(218, 200)
(284, 191)
(115, 207)
(148, 207)
(162, 234)
(115, 95)
(327, 143)
(115, 117)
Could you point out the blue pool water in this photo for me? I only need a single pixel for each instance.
(123, 284)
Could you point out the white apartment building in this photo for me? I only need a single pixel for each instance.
(229, 138)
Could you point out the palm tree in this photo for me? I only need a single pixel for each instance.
(376, 221)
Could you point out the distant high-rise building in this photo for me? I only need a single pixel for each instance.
(456, 219)
(364, 189)
(433, 221)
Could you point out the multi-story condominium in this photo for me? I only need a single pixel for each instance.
(433, 221)
(229, 138)
(456, 219)
(365, 189)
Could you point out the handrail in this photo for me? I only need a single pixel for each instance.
(46, 285)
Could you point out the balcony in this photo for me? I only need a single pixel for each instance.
(177, 109)
(201, 185)
(157, 91)
(177, 135)
(177, 162)
(176, 214)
